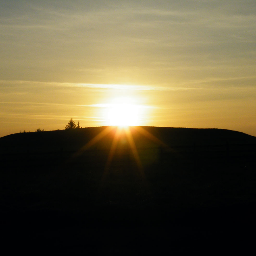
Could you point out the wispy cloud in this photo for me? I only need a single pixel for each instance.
(114, 105)
(33, 103)
(67, 105)
(93, 86)
(46, 117)
(192, 84)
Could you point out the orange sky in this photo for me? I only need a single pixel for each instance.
(184, 63)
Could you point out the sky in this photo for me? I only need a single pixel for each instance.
(182, 63)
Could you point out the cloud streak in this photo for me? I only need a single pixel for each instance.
(180, 86)
(92, 86)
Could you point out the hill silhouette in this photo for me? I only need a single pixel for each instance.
(179, 189)
(76, 138)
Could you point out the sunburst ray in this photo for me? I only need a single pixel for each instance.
(153, 138)
(134, 149)
(93, 141)
(112, 151)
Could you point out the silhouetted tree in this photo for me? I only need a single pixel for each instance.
(71, 125)
(39, 130)
(78, 125)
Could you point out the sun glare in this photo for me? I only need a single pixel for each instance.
(123, 112)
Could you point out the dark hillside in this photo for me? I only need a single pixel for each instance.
(178, 190)
(74, 139)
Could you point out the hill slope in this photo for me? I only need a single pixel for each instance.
(178, 189)
(75, 139)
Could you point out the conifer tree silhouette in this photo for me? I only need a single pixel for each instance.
(71, 125)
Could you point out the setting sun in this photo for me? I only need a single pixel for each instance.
(123, 112)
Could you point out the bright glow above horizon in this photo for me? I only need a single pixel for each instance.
(181, 64)
(123, 112)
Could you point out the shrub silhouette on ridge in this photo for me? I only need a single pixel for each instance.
(71, 125)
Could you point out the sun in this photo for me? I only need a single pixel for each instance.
(123, 112)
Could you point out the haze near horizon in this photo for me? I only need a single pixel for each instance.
(161, 63)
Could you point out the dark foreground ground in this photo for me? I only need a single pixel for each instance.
(178, 201)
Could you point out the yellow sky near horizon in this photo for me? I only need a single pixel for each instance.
(184, 63)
